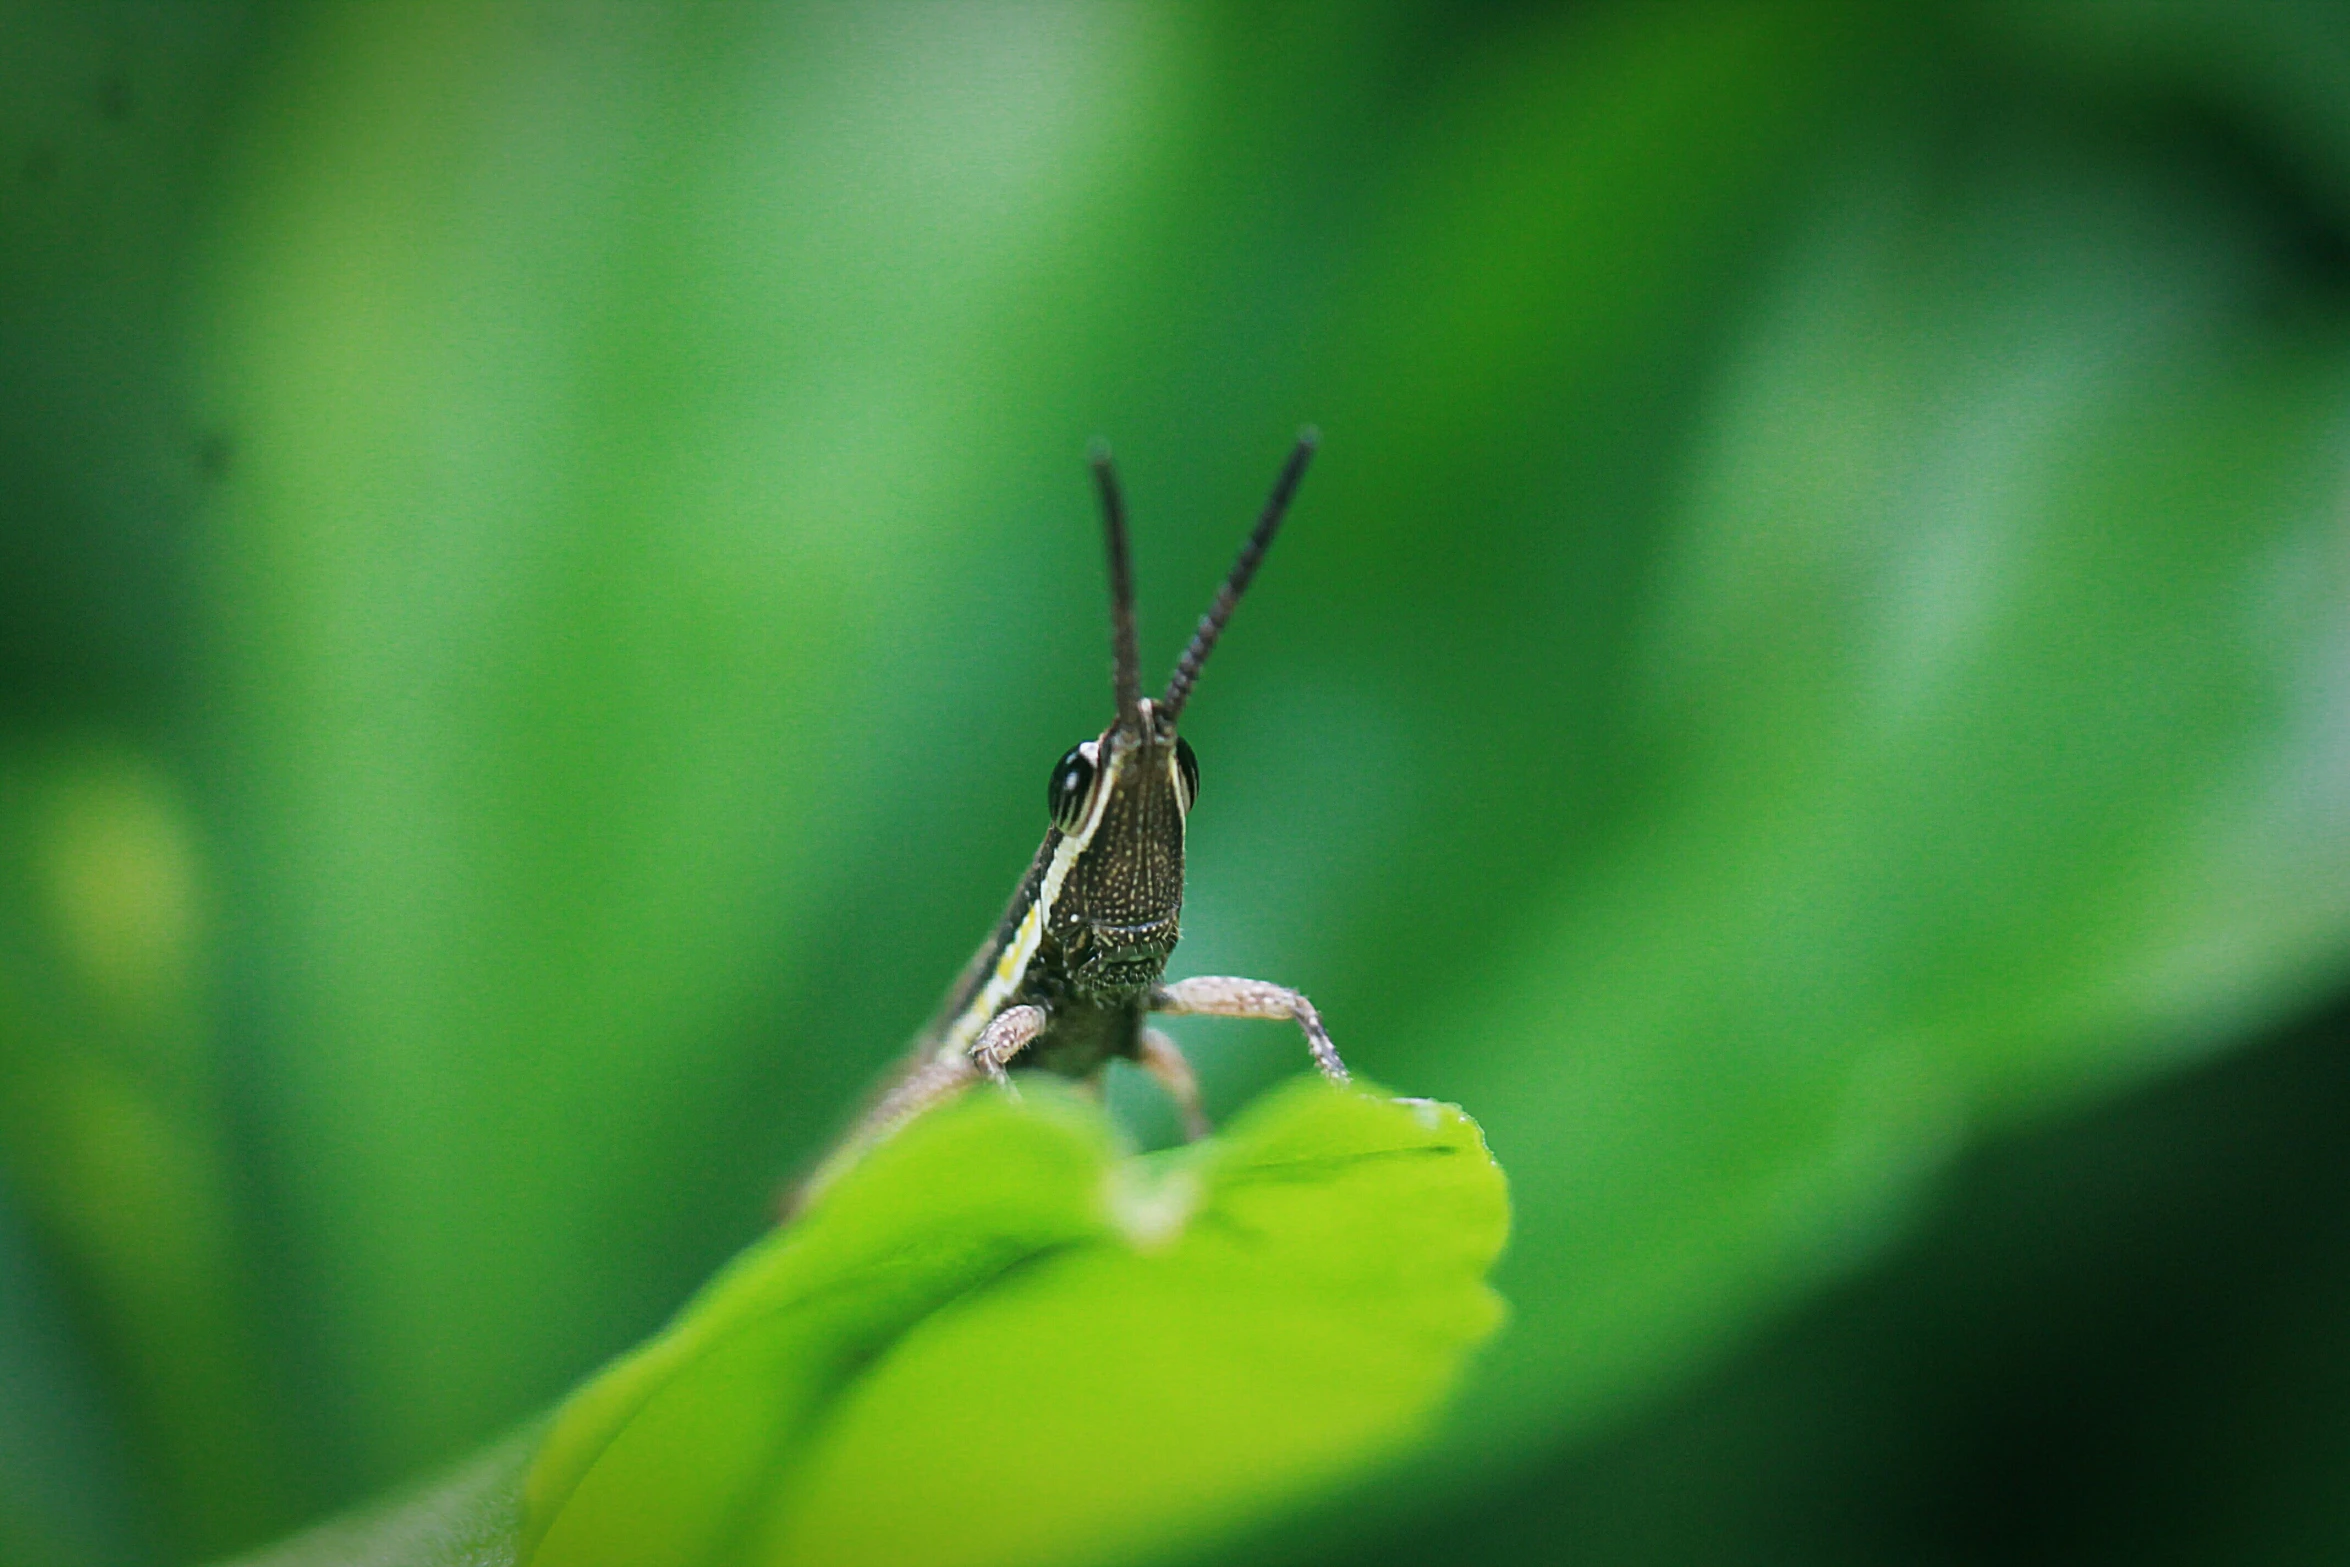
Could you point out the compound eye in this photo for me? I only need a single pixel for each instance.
(1187, 771)
(1071, 784)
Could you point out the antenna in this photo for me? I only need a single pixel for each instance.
(1211, 624)
(1125, 662)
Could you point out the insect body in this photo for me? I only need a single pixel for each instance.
(1073, 972)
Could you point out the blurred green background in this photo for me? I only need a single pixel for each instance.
(546, 559)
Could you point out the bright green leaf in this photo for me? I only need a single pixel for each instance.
(997, 1341)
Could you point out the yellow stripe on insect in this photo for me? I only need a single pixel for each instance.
(1011, 966)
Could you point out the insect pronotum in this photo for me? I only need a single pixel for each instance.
(1070, 977)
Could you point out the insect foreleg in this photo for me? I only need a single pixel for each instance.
(1163, 1059)
(1216, 995)
(1006, 1035)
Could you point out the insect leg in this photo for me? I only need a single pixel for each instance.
(1006, 1035)
(1216, 995)
(1163, 1059)
(923, 1085)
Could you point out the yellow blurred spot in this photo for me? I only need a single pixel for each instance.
(118, 870)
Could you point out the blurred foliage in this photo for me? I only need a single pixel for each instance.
(2115, 1342)
(547, 560)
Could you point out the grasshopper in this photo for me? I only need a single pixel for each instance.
(1073, 972)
